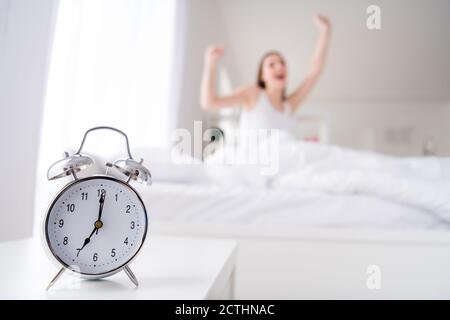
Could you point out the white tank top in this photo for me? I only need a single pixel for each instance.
(264, 116)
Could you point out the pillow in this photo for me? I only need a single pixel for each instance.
(169, 165)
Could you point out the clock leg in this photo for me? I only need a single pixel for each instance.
(130, 275)
(59, 274)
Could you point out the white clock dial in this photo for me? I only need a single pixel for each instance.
(96, 225)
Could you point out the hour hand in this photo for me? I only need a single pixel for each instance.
(86, 241)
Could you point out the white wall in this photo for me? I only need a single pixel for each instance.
(376, 83)
(25, 35)
(395, 128)
(407, 58)
(202, 26)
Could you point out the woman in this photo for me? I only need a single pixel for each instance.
(265, 103)
(422, 182)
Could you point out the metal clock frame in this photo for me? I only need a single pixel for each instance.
(51, 253)
(70, 165)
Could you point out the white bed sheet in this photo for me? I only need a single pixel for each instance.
(220, 205)
(308, 173)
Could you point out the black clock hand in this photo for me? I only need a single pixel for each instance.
(100, 209)
(98, 224)
(87, 240)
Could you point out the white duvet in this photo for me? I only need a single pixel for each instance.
(423, 182)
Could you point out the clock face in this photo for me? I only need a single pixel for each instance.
(96, 225)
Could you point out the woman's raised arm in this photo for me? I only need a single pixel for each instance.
(208, 96)
(317, 62)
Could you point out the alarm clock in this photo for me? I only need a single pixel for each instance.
(96, 225)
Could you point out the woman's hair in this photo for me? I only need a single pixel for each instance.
(259, 81)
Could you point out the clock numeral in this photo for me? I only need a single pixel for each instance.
(117, 196)
(126, 241)
(65, 241)
(113, 253)
(100, 192)
(70, 207)
(132, 225)
(128, 209)
(84, 196)
(95, 257)
(61, 223)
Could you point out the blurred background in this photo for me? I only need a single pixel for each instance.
(66, 66)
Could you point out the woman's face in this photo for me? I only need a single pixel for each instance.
(274, 72)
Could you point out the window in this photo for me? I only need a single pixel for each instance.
(111, 64)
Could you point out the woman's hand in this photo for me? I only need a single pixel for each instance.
(213, 53)
(322, 22)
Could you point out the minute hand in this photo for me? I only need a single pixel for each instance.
(102, 202)
(100, 210)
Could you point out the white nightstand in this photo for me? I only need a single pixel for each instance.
(166, 267)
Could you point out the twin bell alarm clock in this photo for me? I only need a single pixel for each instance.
(96, 225)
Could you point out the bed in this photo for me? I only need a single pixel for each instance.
(311, 245)
(377, 229)
(255, 207)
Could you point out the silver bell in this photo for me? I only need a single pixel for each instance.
(69, 166)
(133, 170)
